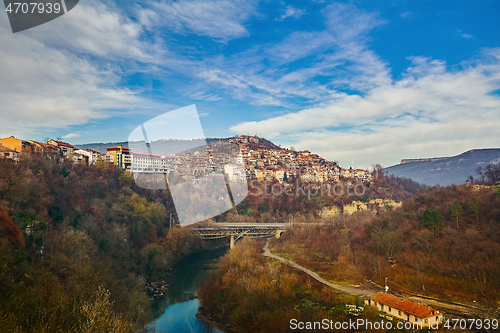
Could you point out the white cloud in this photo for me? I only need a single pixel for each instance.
(47, 84)
(199, 95)
(337, 54)
(95, 28)
(347, 22)
(464, 35)
(431, 111)
(71, 135)
(405, 14)
(220, 19)
(291, 11)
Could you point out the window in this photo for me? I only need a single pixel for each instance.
(416, 319)
(399, 313)
(390, 309)
(437, 318)
(382, 307)
(426, 320)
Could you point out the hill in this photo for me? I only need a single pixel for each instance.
(446, 170)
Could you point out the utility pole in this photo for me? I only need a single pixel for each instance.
(170, 221)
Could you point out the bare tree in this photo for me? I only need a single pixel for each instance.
(479, 171)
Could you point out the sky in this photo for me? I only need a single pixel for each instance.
(359, 82)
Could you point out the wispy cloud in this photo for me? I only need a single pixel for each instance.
(199, 95)
(337, 54)
(291, 11)
(429, 109)
(220, 19)
(405, 14)
(71, 136)
(464, 35)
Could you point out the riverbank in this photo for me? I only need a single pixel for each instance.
(177, 311)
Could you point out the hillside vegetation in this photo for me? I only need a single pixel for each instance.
(272, 202)
(77, 244)
(443, 242)
(250, 293)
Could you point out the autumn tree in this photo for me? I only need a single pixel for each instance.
(456, 212)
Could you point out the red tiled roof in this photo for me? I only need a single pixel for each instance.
(118, 147)
(60, 143)
(404, 305)
(94, 151)
(146, 155)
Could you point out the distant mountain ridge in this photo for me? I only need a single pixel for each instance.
(445, 170)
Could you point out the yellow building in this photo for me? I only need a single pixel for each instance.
(405, 310)
(259, 174)
(120, 156)
(15, 144)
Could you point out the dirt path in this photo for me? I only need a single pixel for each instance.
(450, 307)
(348, 290)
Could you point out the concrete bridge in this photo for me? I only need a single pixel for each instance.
(237, 230)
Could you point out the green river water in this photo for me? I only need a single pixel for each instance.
(176, 313)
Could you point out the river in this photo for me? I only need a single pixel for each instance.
(176, 312)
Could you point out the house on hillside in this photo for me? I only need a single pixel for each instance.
(38, 147)
(8, 153)
(92, 155)
(16, 144)
(64, 148)
(404, 309)
(78, 158)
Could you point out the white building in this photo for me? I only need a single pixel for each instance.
(92, 155)
(148, 163)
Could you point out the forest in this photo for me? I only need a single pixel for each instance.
(444, 242)
(305, 201)
(77, 245)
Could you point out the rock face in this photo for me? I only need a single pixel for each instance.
(446, 170)
(358, 206)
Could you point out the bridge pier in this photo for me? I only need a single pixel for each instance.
(278, 233)
(231, 242)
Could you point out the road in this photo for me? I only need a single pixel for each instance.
(451, 308)
(357, 291)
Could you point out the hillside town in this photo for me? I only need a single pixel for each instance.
(240, 158)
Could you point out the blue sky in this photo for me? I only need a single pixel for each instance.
(361, 82)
